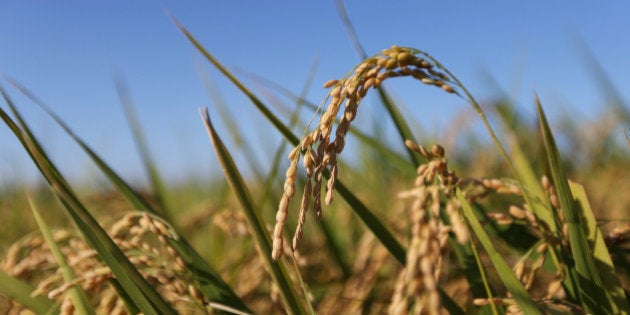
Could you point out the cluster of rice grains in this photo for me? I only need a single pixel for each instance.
(320, 150)
(432, 202)
(416, 290)
(143, 238)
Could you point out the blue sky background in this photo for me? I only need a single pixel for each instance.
(68, 53)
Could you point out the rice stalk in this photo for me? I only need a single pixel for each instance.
(514, 286)
(79, 298)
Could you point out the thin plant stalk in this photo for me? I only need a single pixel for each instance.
(258, 231)
(513, 285)
(155, 178)
(77, 294)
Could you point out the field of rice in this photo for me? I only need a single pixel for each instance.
(535, 220)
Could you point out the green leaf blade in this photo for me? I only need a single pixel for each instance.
(21, 292)
(77, 294)
(513, 285)
(257, 228)
(589, 284)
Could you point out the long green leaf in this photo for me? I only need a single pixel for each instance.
(373, 222)
(484, 279)
(513, 285)
(136, 199)
(261, 107)
(254, 221)
(210, 283)
(21, 292)
(127, 300)
(538, 202)
(77, 294)
(242, 143)
(145, 296)
(603, 261)
(532, 186)
(208, 280)
(591, 292)
(159, 188)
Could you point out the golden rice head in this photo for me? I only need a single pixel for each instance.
(321, 147)
(142, 237)
(416, 290)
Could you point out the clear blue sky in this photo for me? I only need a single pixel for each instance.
(68, 52)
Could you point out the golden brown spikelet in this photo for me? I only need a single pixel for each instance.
(416, 289)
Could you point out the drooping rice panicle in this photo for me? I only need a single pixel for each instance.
(321, 147)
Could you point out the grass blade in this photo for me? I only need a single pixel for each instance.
(79, 298)
(513, 285)
(373, 222)
(484, 279)
(159, 189)
(21, 293)
(536, 199)
(254, 221)
(277, 123)
(242, 143)
(144, 295)
(591, 292)
(127, 300)
(540, 204)
(208, 280)
(603, 261)
(136, 199)
(210, 283)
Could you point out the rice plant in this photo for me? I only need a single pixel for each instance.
(488, 229)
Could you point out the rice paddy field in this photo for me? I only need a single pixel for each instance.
(533, 217)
